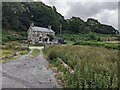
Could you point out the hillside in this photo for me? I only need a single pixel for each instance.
(18, 16)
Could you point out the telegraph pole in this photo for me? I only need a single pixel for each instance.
(60, 29)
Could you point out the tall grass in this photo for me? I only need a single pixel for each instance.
(94, 67)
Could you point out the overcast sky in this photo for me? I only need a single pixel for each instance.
(106, 11)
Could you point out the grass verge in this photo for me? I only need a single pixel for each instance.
(94, 67)
(35, 53)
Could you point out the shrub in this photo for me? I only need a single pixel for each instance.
(92, 37)
(99, 39)
(53, 55)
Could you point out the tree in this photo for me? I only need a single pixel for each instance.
(19, 15)
(76, 24)
(97, 27)
(86, 30)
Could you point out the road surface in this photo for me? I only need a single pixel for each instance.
(27, 72)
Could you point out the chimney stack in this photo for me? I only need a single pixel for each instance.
(49, 26)
(32, 24)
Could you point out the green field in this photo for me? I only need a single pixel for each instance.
(86, 37)
(99, 44)
(93, 39)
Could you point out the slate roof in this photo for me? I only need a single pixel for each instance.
(41, 29)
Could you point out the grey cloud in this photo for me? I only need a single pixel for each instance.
(50, 2)
(87, 9)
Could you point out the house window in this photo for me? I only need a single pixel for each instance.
(40, 38)
(46, 39)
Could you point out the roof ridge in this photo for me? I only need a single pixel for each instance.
(36, 28)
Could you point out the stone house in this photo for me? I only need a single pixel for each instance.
(39, 34)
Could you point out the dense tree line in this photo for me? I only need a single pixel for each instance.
(19, 15)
